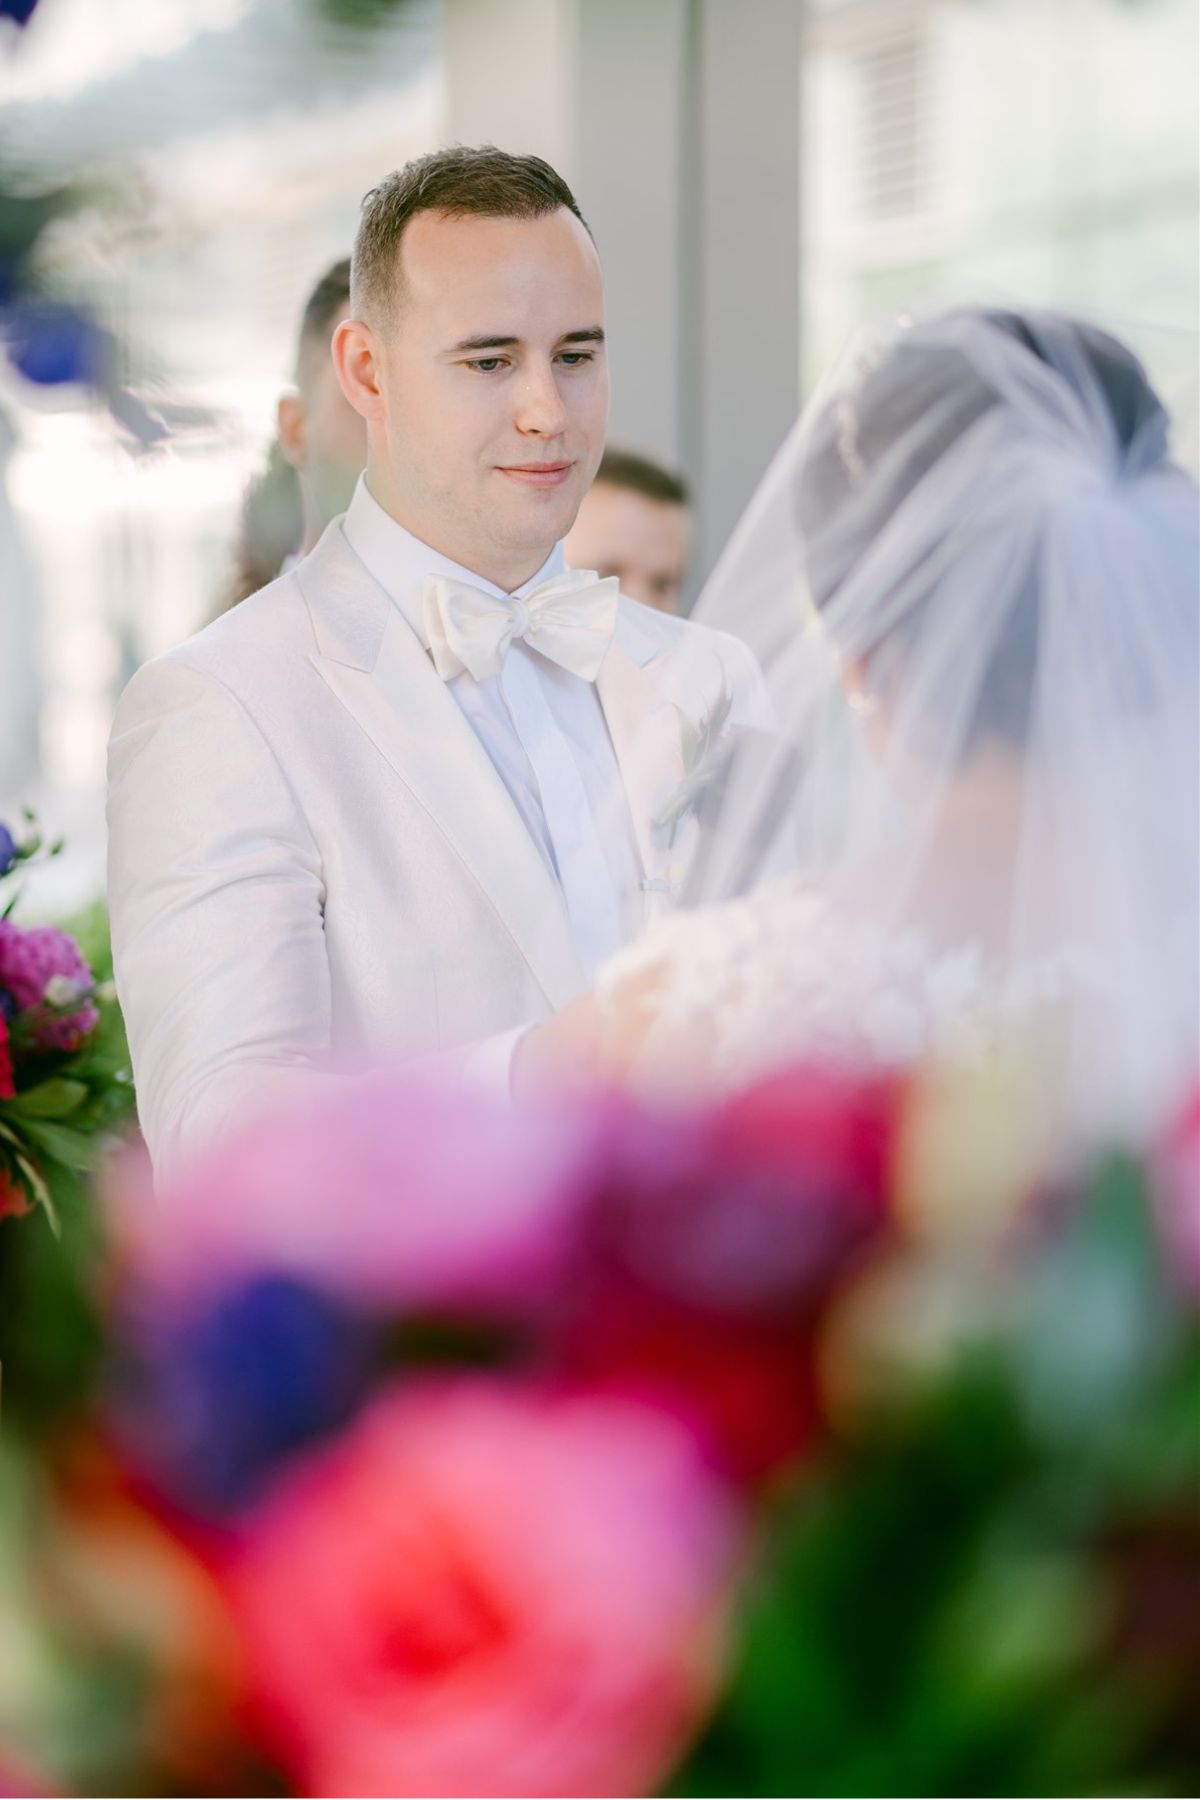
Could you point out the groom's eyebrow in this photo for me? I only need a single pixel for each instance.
(589, 334)
(487, 341)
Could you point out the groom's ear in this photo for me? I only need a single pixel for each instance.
(292, 420)
(357, 361)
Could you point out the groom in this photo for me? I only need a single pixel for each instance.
(405, 796)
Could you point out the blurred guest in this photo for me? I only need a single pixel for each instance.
(634, 524)
(317, 456)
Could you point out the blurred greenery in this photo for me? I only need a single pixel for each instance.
(51, 1337)
(358, 12)
(968, 1598)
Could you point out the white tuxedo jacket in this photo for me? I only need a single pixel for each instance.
(310, 855)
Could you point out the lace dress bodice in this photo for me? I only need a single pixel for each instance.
(784, 976)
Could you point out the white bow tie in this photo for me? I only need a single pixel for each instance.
(570, 619)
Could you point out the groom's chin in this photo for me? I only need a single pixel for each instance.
(539, 515)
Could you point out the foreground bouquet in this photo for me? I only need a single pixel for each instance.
(795, 1445)
(64, 1081)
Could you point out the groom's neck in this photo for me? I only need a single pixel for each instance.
(505, 566)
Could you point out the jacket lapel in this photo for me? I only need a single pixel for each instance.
(379, 671)
(637, 686)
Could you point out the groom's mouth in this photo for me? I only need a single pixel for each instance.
(539, 475)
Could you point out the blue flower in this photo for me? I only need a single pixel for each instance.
(209, 1406)
(8, 850)
(52, 344)
(20, 10)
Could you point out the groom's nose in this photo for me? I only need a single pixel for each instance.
(540, 410)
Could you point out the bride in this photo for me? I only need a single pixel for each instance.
(971, 575)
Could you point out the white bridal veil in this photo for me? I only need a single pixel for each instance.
(972, 576)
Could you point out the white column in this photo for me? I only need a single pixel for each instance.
(512, 77)
(741, 283)
(676, 123)
(633, 182)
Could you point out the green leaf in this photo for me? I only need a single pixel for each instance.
(62, 1144)
(53, 1099)
(39, 1190)
(690, 737)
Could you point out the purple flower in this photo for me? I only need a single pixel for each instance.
(756, 1208)
(45, 974)
(51, 344)
(208, 1403)
(8, 850)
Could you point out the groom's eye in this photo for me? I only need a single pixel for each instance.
(575, 358)
(485, 364)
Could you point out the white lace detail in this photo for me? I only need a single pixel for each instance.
(779, 976)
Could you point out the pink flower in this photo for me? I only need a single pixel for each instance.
(1178, 1190)
(387, 1190)
(485, 1591)
(7, 1090)
(42, 968)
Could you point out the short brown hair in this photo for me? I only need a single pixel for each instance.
(627, 469)
(321, 309)
(460, 182)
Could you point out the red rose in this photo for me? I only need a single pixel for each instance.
(719, 1240)
(748, 1388)
(14, 1201)
(485, 1591)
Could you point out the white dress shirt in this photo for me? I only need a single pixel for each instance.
(543, 730)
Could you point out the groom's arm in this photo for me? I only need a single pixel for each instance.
(216, 896)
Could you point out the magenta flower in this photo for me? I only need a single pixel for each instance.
(1177, 1172)
(48, 979)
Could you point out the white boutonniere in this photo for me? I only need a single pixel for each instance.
(702, 743)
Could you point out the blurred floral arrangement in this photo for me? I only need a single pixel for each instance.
(49, 338)
(806, 1444)
(19, 11)
(65, 1086)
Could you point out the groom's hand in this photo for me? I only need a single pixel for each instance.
(567, 1051)
(587, 1043)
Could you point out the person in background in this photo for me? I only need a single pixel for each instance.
(634, 524)
(316, 458)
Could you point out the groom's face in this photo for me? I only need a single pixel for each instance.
(493, 388)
